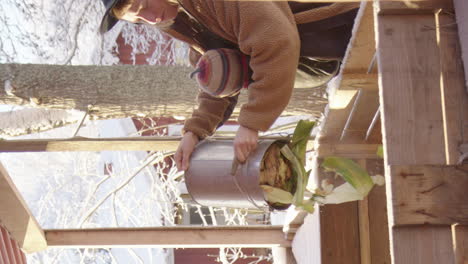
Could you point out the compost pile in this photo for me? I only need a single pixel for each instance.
(276, 171)
(283, 177)
(282, 174)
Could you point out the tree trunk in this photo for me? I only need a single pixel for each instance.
(33, 120)
(107, 92)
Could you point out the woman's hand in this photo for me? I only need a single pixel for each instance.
(245, 143)
(184, 151)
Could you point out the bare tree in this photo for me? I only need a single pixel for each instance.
(33, 120)
(115, 91)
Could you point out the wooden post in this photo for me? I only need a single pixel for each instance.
(170, 237)
(364, 226)
(422, 244)
(460, 242)
(423, 114)
(16, 217)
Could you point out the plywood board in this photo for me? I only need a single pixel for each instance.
(422, 245)
(429, 194)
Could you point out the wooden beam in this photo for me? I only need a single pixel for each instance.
(454, 95)
(377, 217)
(345, 1)
(428, 194)
(411, 84)
(339, 232)
(422, 245)
(355, 151)
(16, 217)
(460, 243)
(364, 225)
(361, 117)
(461, 6)
(413, 7)
(348, 118)
(99, 144)
(410, 91)
(360, 56)
(170, 237)
(90, 144)
(364, 232)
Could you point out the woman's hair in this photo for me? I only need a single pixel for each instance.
(121, 8)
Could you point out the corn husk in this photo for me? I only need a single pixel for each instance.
(276, 195)
(351, 172)
(284, 169)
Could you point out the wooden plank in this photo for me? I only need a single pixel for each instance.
(100, 144)
(362, 114)
(344, 1)
(422, 245)
(352, 77)
(359, 57)
(364, 81)
(413, 7)
(354, 151)
(429, 194)
(170, 237)
(339, 227)
(339, 232)
(460, 242)
(461, 7)
(339, 107)
(364, 232)
(16, 217)
(454, 95)
(91, 144)
(378, 221)
(410, 94)
(364, 225)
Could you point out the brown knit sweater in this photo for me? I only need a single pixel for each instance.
(265, 31)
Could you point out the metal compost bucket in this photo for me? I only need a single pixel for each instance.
(210, 182)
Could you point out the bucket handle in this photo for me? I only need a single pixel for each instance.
(234, 169)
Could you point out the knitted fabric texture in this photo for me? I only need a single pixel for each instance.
(222, 72)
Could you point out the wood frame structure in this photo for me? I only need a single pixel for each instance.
(19, 221)
(418, 104)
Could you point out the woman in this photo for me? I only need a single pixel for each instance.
(267, 32)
